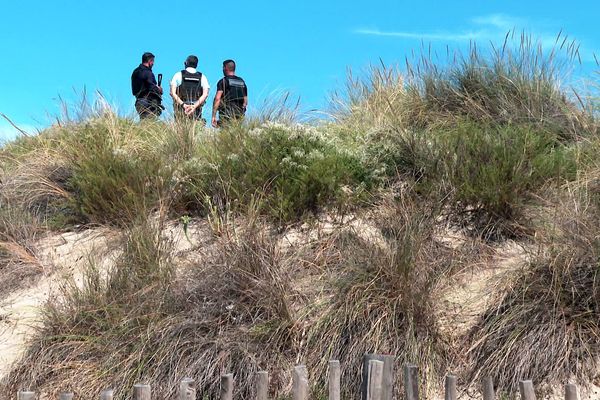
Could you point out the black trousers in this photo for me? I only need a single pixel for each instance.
(147, 108)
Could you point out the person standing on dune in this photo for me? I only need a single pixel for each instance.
(189, 90)
(148, 94)
(231, 98)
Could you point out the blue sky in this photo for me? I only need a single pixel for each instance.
(51, 49)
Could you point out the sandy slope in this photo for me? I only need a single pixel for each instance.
(64, 255)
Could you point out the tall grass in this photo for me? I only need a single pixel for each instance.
(486, 130)
(381, 298)
(544, 324)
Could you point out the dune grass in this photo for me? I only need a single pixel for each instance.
(544, 324)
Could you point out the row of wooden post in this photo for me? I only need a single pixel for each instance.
(377, 385)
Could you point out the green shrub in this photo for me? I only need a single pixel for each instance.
(390, 154)
(485, 173)
(112, 183)
(292, 170)
(492, 171)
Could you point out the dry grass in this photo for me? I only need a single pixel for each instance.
(383, 299)
(544, 325)
(138, 323)
(19, 262)
(248, 304)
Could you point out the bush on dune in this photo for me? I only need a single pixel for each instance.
(490, 174)
(105, 170)
(485, 132)
(291, 169)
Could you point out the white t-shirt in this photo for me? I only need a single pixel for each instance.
(177, 79)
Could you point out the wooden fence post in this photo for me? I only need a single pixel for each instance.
(411, 382)
(107, 394)
(66, 396)
(571, 392)
(375, 383)
(527, 390)
(389, 362)
(187, 389)
(141, 392)
(300, 383)
(488, 388)
(389, 378)
(227, 387)
(334, 380)
(262, 385)
(25, 395)
(450, 388)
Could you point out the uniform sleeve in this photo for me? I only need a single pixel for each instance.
(204, 83)
(176, 81)
(245, 90)
(220, 84)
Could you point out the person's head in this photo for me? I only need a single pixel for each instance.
(148, 59)
(191, 62)
(228, 67)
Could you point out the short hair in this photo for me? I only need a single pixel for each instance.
(147, 56)
(191, 62)
(229, 65)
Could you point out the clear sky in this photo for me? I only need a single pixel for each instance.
(56, 48)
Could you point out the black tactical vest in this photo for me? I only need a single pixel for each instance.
(190, 89)
(234, 89)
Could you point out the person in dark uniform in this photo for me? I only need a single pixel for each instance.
(148, 95)
(231, 98)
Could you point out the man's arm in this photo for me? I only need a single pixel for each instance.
(191, 108)
(173, 92)
(216, 104)
(151, 81)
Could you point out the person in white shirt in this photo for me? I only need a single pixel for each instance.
(189, 90)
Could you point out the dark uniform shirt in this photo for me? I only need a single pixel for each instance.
(143, 82)
(232, 102)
